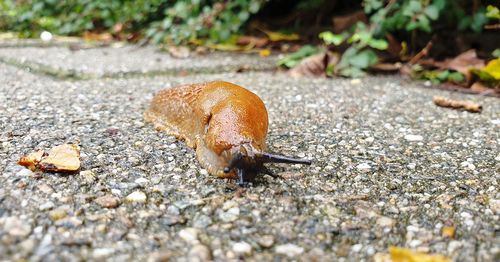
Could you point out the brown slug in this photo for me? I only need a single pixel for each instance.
(225, 123)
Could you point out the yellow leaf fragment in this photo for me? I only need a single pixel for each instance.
(406, 255)
(278, 36)
(31, 160)
(448, 232)
(493, 68)
(63, 158)
(265, 52)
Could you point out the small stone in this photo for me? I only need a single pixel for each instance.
(16, 227)
(46, 206)
(385, 221)
(88, 176)
(202, 221)
(230, 215)
(414, 138)
(107, 201)
(495, 205)
(363, 167)
(102, 252)
(448, 232)
(161, 256)
(289, 250)
(356, 248)
(136, 197)
(266, 241)
(24, 172)
(45, 189)
(57, 214)
(242, 248)
(355, 81)
(199, 253)
(189, 235)
(173, 210)
(141, 181)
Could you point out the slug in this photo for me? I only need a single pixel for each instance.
(225, 123)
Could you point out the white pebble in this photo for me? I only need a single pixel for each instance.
(363, 167)
(242, 248)
(414, 138)
(289, 250)
(136, 197)
(189, 235)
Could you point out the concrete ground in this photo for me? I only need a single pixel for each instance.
(389, 167)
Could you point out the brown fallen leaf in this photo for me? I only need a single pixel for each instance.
(463, 63)
(344, 22)
(457, 104)
(62, 158)
(314, 66)
(258, 42)
(92, 36)
(31, 160)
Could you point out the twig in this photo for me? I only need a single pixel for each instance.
(424, 52)
(493, 26)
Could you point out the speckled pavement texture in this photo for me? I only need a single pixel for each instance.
(390, 169)
(119, 61)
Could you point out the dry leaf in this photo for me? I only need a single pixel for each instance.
(256, 41)
(457, 104)
(62, 158)
(278, 36)
(314, 66)
(265, 52)
(31, 160)
(463, 63)
(91, 36)
(406, 255)
(342, 23)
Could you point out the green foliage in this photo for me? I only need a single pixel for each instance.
(161, 20)
(200, 19)
(359, 56)
(293, 59)
(437, 76)
(496, 52)
(493, 12)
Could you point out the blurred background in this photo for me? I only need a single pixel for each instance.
(414, 37)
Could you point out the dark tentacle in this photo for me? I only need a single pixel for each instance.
(271, 158)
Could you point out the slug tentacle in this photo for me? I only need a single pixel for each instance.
(225, 123)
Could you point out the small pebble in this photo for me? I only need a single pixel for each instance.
(266, 241)
(108, 201)
(199, 252)
(414, 138)
(189, 235)
(289, 250)
(136, 197)
(242, 248)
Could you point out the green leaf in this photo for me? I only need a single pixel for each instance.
(379, 44)
(293, 59)
(492, 12)
(363, 59)
(496, 52)
(432, 12)
(331, 38)
(456, 77)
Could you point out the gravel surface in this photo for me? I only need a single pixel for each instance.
(390, 168)
(127, 60)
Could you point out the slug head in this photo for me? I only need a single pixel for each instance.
(247, 167)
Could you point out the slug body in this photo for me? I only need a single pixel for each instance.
(225, 123)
